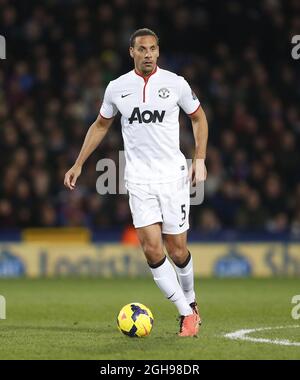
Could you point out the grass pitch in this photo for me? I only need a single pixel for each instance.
(76, 319)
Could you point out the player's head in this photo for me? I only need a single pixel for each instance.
(144, 50)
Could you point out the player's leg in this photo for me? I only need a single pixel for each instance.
(176, 246)
(162, 270)
(175, 202)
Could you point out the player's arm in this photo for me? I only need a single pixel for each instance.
(93, 138)
(198, 171)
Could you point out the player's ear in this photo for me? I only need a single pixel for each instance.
(131, 51)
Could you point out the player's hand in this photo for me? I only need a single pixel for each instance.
(197, 171)
(71, 177)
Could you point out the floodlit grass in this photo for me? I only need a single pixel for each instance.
(76, 319)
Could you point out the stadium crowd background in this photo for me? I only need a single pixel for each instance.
(61, 54)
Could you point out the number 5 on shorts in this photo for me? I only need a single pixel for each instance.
(184, 215)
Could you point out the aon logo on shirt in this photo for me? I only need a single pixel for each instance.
(146, 116)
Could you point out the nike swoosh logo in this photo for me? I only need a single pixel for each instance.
(171, 295)
(180, 225)
(124, 96)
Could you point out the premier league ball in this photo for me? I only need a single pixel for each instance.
(135, 320)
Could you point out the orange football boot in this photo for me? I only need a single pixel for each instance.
(189, 325)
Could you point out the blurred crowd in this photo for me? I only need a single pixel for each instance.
(236, 55)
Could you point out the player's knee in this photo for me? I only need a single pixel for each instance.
(178, 255)
(152, 251)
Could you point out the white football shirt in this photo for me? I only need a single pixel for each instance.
(150, 126)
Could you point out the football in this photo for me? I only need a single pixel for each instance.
(135, 320)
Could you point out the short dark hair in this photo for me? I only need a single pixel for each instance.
(142, 32)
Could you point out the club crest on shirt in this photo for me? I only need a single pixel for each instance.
(163, 93)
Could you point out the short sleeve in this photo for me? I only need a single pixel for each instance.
(188, 100)
(108, 109)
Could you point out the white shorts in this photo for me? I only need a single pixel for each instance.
(168, 203)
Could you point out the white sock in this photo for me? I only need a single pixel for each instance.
(186, 280)
(166, 279)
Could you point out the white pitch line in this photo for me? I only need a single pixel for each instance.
(241, 334)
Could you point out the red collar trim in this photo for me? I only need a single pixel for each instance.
(148, 76)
